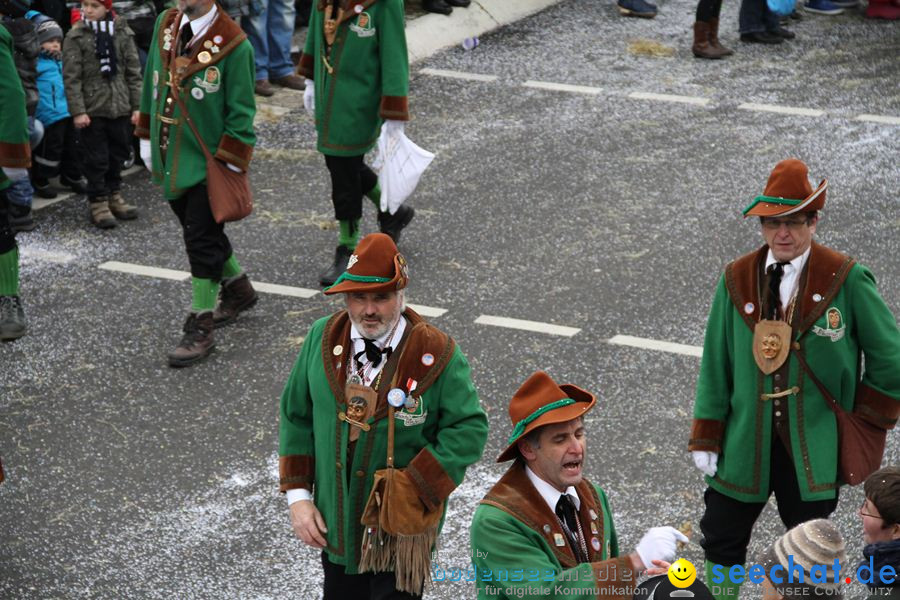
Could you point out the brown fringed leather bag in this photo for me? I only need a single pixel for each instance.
(860, 444)
(400, 531)
(230, 198)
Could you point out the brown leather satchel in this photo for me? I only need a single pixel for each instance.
(230, 198)
(860, 444)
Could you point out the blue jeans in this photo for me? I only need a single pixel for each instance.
(270, 29)
(755, 17)
(20, 192)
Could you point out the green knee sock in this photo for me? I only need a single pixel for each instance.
(375, 196)
(349, 235)
(9, 273)
(727, 590)
(231, 268)
(205, 293)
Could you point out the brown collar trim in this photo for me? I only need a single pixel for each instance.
(223, 26)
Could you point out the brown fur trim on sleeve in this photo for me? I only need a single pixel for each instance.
(433, 485)
(234, 151)
(395, 108)
(15, 156)
(142, 129)
(296, 471)
(876, 408)
(306, 66)
(706, 434)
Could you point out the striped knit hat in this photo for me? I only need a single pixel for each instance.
(816, 542)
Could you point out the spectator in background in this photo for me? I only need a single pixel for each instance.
(759, 25)
(883, 9)
(880, 514)
(443, 7)
(102, 76)
(637, 8)
(141, 17)
(706, 31)
(810, 544)
(25, 53)
(270, 29)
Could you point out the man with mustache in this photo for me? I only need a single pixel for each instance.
(376, 385)
(544, 520)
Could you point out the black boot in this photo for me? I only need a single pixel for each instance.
(21, 218)
(12, 318)
(341, 258)
(437, 6)
(393, 224)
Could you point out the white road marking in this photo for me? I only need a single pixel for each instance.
(535, 326)
(696, 100)
(879, 119)
(31, 253)
(561, 87)
(648, 344)
(458, 75)
(284, 290)
(145, 271)
(427, 311)
(785, 110)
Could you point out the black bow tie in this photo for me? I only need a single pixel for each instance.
(373, 352)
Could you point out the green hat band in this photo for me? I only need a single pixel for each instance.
(771, 200)
(358, 279)
(521, 425)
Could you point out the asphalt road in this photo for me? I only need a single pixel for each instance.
(589, 209)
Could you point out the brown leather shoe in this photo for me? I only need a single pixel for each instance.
(100, 215)
(121, 209)
(235, 297)
(714, 38)
(197, 342)
(294, 82)
(263, 88)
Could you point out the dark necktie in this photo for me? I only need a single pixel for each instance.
(184, 36)
(776, 271)
(373, 352)
(565, 510)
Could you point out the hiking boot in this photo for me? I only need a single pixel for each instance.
(263, 88)
(43, 188)
(197, 342)
(393, 224)
(79, 186)
(290, 81)
(12, 318)
(437, 6)
(101, 217)
(121, 209)
(235, 297)
(341, 258)
(21, 218)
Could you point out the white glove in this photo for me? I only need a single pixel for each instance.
(705, 461)
(391, 127)
(659, 544)
(14, 174)
(146, 154)
(309, 97)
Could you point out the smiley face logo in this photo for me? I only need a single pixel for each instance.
(682, 573)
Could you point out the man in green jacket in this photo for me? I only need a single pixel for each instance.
(543, 529)
(15, 158)
(787, 321)
(201, 56)
(357, 70)
(375, 385)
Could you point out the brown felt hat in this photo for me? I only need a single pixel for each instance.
(788, 191)
(375, 266)
(541, 401)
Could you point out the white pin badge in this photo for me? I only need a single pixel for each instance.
(558, 539)
(595, 544)
(817, 297)
(197, 93)
(749, 307)
(547, 528)
(337, 350)
(428, 359)
(593, 514)
(358, 8)
(396, 398)
(217, 39)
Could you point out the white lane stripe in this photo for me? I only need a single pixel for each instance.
(879, 119)
(284, 290)
(145, 271)
(696, 100)
(648, 344)
(535, 326)
(31, 253)
(561, 87)
(427, 311)
(785, 110)
(458, 75)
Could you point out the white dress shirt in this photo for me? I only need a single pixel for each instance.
(550, 494)
(791, 278)
(199, 26)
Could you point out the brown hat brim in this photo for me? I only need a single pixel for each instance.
(771, 207)
(375, 285)
(584, 401)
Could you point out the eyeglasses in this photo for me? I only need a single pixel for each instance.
(865, 514)
(792, 224)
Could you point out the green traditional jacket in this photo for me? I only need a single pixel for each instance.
(434, 442)
(362, 79)
(514, 538)
(734, 419)
(215, 84)
(15, 152)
